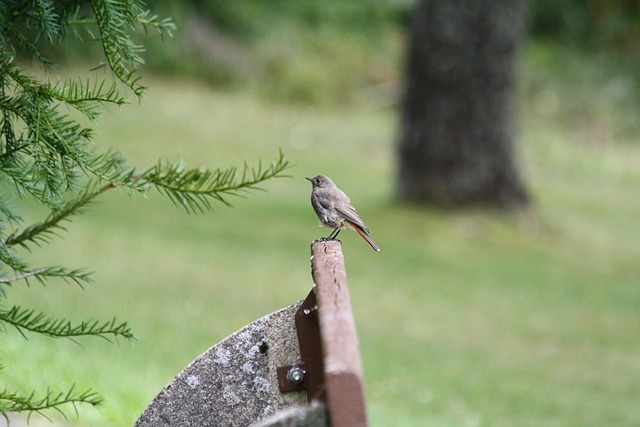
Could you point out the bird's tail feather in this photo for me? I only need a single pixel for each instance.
(364, 235)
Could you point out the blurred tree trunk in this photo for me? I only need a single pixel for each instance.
(456, 141)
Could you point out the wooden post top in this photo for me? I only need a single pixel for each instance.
(341, 354)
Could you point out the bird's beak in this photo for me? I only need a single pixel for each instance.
(308, 179)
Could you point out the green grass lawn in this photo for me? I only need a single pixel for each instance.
(471, 318)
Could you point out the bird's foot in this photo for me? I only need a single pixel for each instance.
(327, 239)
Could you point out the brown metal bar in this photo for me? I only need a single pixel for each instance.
(311, 347)
(311, 366)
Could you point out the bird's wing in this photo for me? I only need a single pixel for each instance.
(348, 212)
(324, 202)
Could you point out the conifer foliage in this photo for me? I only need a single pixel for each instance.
(48, 156)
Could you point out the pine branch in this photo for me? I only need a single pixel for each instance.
(25, 44)
(121, 53)
(45, 153)
(7, 213)
(56, 144)
(16, 402)
(46, 19)
(82, 95)
(7, 258)
(44, 231)
(28, 320)
(85, 96)
(112, 168)
(53, 148)
(22, 176)
(79, 277)
(41, 275)
(196, 189)
(22, 276)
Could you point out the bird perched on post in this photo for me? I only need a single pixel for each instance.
(334, 209)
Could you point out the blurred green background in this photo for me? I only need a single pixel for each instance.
(466, 318)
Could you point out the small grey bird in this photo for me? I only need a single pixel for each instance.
(334, 209)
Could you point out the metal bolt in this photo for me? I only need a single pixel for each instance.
(296, 375)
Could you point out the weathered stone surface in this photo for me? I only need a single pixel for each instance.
(234, 383)
(314, 415)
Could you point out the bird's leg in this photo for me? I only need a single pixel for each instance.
(334, 233)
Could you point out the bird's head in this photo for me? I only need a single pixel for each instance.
(321, 181)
